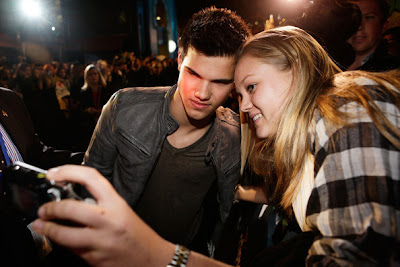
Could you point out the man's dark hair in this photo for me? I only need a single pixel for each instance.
(214, 32)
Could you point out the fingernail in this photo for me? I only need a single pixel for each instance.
(41, 212)
(38, 225)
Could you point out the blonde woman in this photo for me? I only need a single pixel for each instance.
(330, 140)
(94, 92)
(92, 97)
(326, 142)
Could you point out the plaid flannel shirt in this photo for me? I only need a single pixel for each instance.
(355, 200)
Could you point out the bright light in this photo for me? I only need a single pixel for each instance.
(158, 18)
(53, 28)
(171, 46)
(31, 8)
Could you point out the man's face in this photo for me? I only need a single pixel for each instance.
(204, 83)
(368, 35)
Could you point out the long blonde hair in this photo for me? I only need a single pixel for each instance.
(102, 81)
(317, 83)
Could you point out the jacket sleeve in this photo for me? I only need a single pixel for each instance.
(355, 203)
(101, 153)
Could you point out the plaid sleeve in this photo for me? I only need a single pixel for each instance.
(355, 202)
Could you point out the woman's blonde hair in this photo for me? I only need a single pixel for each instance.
(317, 83)
(102, 81)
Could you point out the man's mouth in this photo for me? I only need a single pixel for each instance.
(199, 105)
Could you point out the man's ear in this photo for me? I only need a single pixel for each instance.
(180, 60)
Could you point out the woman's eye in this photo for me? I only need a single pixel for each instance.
(251, 87)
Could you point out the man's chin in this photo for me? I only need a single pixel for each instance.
(197, 117)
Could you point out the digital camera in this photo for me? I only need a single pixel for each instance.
(26, 188)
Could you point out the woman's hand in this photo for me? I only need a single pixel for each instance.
(109, 233)
(251, 193)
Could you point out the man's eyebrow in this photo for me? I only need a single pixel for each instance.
(192, 71)
(222, 81)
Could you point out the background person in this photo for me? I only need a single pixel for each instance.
(93, 95)
(370, 52)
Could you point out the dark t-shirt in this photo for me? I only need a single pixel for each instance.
(172, 201)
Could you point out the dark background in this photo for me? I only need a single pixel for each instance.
(81, 24)
(94, 17)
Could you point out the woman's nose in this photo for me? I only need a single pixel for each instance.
(245, 104)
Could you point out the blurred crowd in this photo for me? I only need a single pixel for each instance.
(64, 99)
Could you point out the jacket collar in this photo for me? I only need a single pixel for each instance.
(168, 121)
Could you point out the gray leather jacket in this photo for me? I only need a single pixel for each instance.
(131, 130)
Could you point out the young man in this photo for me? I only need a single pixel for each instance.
(370, 53)
(173, 153)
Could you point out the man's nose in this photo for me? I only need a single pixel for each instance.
(203, 91)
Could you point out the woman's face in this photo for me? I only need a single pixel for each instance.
(92, 77)
(264, 90)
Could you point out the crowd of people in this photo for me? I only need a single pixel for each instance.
(306, 174)
(65, 99)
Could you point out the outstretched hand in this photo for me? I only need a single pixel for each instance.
(109, 233)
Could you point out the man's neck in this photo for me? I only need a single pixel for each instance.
(360, 59)
(189, 130)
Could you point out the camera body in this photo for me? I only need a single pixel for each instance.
(26, 188)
